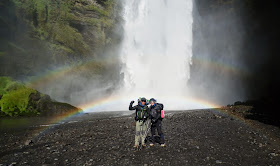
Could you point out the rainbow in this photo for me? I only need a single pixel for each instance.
(113, 101)
(110, 101)
(56, 120)
(97, 105)
(222, 67)
(51, 75)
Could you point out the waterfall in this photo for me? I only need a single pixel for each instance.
(157, 47)
(156, 54)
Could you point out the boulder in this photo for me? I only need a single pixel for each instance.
(47, 107)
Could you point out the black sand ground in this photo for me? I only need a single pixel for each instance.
(204, 137)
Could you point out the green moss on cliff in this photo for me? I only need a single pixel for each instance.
(15, 102)
(97, 9)
(4, 83)
(38, 34)
(55, 22)
(14, 98)
(58, 47)
(2, 53)
(70, 38)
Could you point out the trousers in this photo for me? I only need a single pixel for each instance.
(140, 134)
(157, 126)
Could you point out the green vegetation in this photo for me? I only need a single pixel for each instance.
(98, 10)
(60, 23)
(14, 98)
(2, 53)
(39, 35)
(6, 85)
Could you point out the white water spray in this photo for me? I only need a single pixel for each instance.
(156, 53)
(157, 47)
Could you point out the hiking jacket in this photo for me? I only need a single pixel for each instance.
(155, 111)
(141, 112)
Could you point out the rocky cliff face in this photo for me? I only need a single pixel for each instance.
(41, 37)
(235, 49)
(16, 99)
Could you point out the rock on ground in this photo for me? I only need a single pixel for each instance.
(205, 137)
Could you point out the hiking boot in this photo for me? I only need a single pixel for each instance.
(162, 145)
(151, 144)
(135, 146)
(144, 145)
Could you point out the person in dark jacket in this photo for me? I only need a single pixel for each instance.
(141, 116)
(155, 116)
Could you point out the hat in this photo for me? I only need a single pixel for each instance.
(153, 100)
(143, 99)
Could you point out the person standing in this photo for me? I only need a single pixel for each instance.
(141, 116)
(155, 116)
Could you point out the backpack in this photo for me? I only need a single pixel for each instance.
(161, 111)
(162, 114)
(140, 114)
(155, 112)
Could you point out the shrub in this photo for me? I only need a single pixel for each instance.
(14, 101)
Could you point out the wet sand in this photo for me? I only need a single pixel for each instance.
(200, 137)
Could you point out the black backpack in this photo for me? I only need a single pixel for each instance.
(142, 113)
(157, 110)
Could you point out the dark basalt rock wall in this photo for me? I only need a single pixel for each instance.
(241, 35)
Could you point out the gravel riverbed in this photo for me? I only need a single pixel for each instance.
(199, 137)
